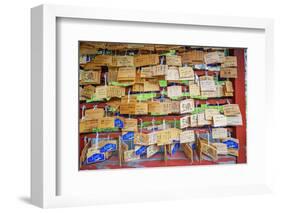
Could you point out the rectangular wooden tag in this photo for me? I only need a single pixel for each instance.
(187, 136)
(127, 108)
(103, 60)
(166, 107)
(186, 73)
(86, 51)
(123, 61)
(172, 74)
(153, 59)
(150, 86)
(141, 109)
(228, 73)
(130, 124)
(115, 91)
(140, 60)
(221, 148)
(230, 61)
(106, 122)
(127, 99)
(193, 57)
(102, 144)
(219, 120)
(209, 94)
(207, 85)
(163, 137)
(134, 108)
(87, 91)
(209, 113)
(101, 92)
(214, 57)
(194, 90)
(209, 150)
(201, 121)
(89, 77)
(186, 106)
(219, 133)
(138, 87)
(126, 74)
(187, 150)
(88, 125)
(228, 86)
(231, 109)
(175, 134)
(173, 60)
(144, 60)
(95, 156)
(152, 150)
(219, 91)
(146, 72)
(173, 107)
(160, 70)
(130, 155)
(155, 107)
(234, 120)
(112, 74)
(91, 114)
(174, 91)
(152, 138)
(141, 139)
(184, 122)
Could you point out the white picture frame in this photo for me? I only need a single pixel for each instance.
(44, 154)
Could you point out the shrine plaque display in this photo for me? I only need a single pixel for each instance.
(155, 105)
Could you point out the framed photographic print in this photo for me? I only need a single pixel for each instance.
(155, 105)
(152, 106)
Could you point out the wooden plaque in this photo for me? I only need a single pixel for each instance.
(173, 60)
(228, 73)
